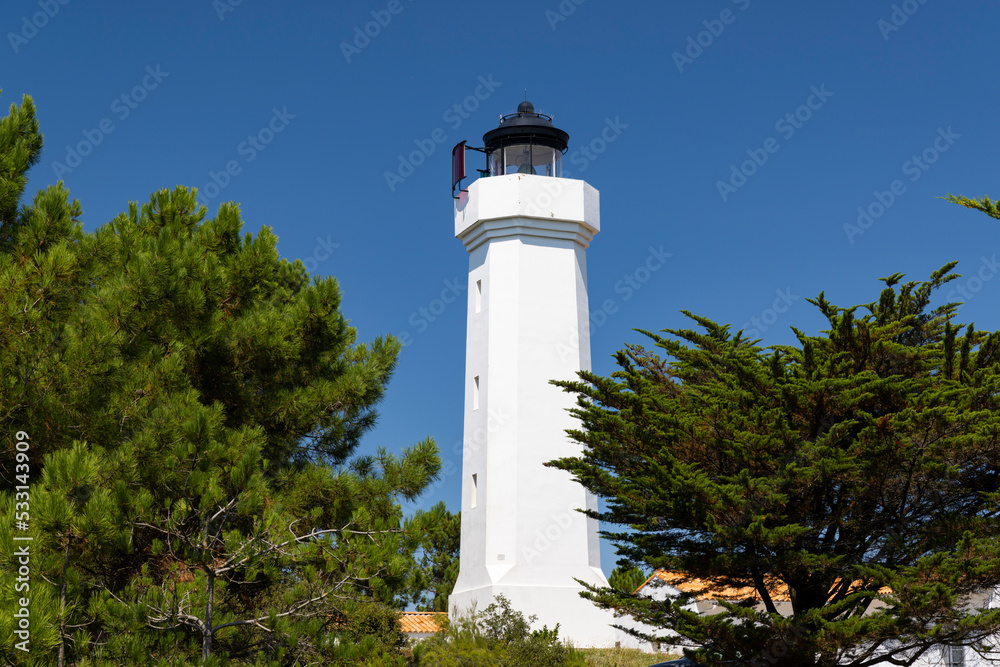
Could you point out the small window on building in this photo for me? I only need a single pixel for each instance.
(954, 656)
(474, 495)
(475, 393)
(479, 296)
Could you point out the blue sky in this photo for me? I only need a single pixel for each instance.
(737, 135)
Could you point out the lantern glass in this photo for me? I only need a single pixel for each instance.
(526, 159)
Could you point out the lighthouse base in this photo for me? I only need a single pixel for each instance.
(581, 623)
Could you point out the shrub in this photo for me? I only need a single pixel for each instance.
(500, 636)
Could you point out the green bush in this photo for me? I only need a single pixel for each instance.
(499, 636)
(378, 621)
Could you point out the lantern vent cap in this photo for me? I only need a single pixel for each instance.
(526, 126)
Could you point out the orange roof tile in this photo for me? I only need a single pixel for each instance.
(702, 590)
(422, 621)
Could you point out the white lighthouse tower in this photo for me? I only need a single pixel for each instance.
(526, 230)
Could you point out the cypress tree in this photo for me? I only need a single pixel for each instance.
(853, 474)
(986, 205)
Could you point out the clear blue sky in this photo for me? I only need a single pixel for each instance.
(309, 117)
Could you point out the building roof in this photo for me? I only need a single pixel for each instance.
(703, 590)
(413, 622)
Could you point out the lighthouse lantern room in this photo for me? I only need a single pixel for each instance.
(526, 143)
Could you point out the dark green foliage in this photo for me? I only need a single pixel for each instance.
(374, 620)
(861, 458)
(20, 148)
(627, 579)
(498, 636)
(436, 569)
(194, 404)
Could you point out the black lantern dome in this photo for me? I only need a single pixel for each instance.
(526, 143)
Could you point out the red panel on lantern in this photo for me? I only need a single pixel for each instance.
(457, 164)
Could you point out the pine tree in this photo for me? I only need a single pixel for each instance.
(627, 579)
(855, 474)
(194, 404)
(436, 567)
(20, 148)
(74, 516)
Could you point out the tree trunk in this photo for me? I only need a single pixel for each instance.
(62, 607)
(206, 633)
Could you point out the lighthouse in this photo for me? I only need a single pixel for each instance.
(526, 229)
